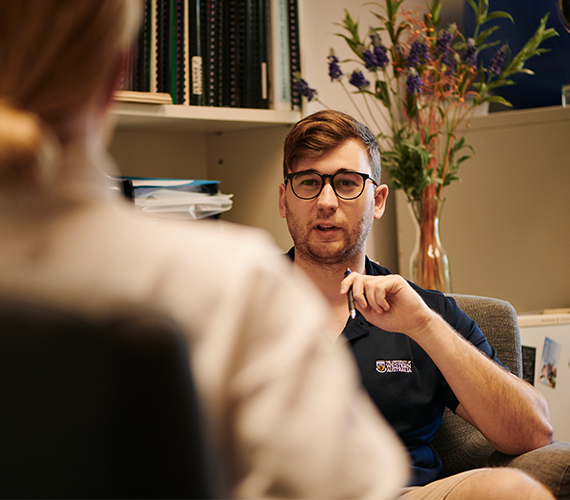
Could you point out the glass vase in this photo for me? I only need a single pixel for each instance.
(429, 264)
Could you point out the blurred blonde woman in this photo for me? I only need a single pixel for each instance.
(285, 414)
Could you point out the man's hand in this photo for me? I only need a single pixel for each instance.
(390, 303)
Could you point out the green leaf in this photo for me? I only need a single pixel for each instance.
(484, 46)
(473, 6)
(498, 99)
(485, 34)
(434, 9)
(382, 92)
(499, 14)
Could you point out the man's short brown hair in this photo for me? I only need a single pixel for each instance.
(316, 134)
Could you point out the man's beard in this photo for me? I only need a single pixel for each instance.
(331, 254)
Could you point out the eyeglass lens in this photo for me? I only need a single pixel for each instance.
(346, 185)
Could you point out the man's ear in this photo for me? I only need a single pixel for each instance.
(283, 200)
(380, 197)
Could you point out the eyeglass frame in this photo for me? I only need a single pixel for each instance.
(365, 177)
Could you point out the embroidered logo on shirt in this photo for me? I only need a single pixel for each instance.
(396, 365)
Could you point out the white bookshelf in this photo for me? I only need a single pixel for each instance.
(242, 148)
(201, 119)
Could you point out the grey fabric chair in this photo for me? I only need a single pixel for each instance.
(97, 407)
(461, 446)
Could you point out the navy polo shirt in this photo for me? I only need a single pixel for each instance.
(403, 381)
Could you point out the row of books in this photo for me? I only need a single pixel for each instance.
(231, 53)
(175, 198)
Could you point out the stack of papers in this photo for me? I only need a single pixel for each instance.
(188, 199)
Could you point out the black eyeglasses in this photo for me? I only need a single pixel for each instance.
(308, 184)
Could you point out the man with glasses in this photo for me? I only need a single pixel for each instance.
(412, 361)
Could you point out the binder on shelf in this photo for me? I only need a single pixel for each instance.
(142, 53)
(178, 79)
(295, 53)
(220, 62)
(254, 50)
(279, 61)
(195, 54)
(232, 61)
(175, 198)
(263, 62)
(230, 53)
(212, 28)
(153, 8)
(164, 46)
(136, 74)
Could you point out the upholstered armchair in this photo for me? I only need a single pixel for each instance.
(462, 447)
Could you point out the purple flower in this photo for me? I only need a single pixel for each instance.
(470, 56)
(451, 62)
(375, 39)
(380, 52)
(414, 83)
(418, 54)
(357, 79)
(334, 69)
(443, 43)
(381, 55)
(303, 88)
(496, 64)
(369, 60)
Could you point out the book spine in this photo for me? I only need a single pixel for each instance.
(144, 50)
(211, 53)
(221, 52)
(250, 81)
(178, 53)
(242, 74)
(153, 45)
(164, 47)
(187, 57)
(279, 61)
(232, 61)
(173, 52)
(263, 63)
(295, 53)
(232, 53)
(196, 54)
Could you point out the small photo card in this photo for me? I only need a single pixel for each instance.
(550, 355)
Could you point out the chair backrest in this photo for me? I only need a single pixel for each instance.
(461, 446)
(97, 408)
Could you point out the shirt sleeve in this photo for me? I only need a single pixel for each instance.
(471, 331)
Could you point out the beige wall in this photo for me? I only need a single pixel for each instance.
(160, 154)
(252, 171)
(506, 224)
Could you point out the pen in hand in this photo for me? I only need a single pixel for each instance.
(350, 296)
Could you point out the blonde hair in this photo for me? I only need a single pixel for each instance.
(57, 58)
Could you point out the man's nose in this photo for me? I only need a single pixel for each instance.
(328, 197)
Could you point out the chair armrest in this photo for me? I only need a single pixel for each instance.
(461, 446)
(550, 465)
